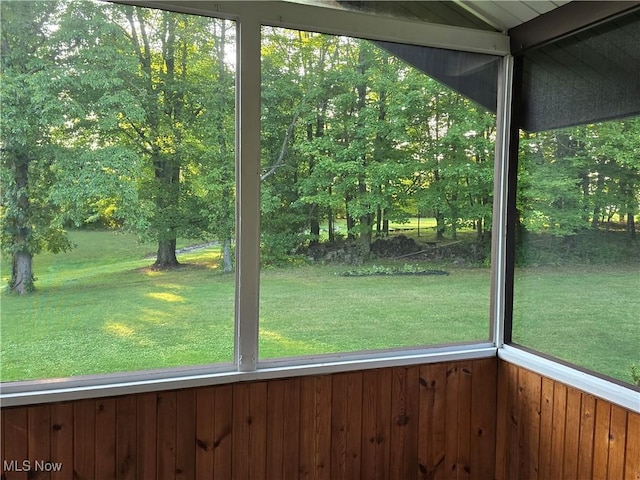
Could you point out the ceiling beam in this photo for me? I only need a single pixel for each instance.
(319, 17)
(565, 20)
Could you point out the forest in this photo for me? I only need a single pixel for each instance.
(124, 118)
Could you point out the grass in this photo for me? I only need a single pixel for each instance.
(98, 309)
(589, 316)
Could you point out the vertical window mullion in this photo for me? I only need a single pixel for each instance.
(248, 194)
(500, 205)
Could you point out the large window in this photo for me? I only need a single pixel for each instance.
(118, 189)
(577, 273)
(577, 256)
(376, 199)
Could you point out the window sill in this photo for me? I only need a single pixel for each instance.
(626, 397)
(60, 390)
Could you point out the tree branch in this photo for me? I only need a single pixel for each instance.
(279, 162)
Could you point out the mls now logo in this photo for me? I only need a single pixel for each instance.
(29, 466)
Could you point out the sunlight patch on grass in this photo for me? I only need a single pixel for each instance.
(166, 296)
(119, 329)
(276, 342)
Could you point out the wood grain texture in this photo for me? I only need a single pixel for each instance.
(470, 419)
(632, 460)
(576, 436)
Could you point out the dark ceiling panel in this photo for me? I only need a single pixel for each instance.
(471, 74)
(588, 77)
(565, 20)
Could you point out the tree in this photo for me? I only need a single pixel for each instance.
(157, 85)
(31, 106)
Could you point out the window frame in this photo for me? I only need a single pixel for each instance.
(249, 18)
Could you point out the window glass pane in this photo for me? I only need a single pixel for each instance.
(376, 201)
(117, 189)
(577, 279)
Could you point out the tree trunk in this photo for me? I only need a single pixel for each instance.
(366, 229)
(22, 273)
(315, 229)
(350, 220)
(166, 257)
(440, 226)
(22, 265)
(631, 225)
(227, 263)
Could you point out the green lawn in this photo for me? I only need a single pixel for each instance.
(98, 309)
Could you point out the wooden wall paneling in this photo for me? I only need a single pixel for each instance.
(275, 429)
(240, 428)
(291, 429)
(62, 439)
(354, 424)
(258, 429)
(84, 440)
(16, 440)
(166, 435)
(105, 451)
(339, 427)
(632, 457)
(432, 427)
(185, 434)
(572, 433)
(558, 430)
(316, 427)
(463, 461)
(587, 427)
(146, 435)
(601, 439)
(617, 443)
(223, 433)
(546, 428)
(401, 422)
(483, 419)
(370, 437)
(529, 391)
(508, 421)
(39, 427)
(383, 414)
(376, 423)
(307, 427)
(451, 420)
(582, 436)
(502, 425)
(205, 411)
(126, 438)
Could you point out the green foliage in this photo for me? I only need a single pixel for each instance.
(635, 374)
(406, 269)
(124, 117)
(585, 247)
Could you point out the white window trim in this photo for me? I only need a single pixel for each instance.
(620, 395)
(38, 392)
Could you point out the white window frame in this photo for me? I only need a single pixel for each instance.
(249, 17)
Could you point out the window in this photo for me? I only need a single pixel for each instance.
(577, 263)
(577, 272)
(376, 199)
(118, 176)
(119, 192)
